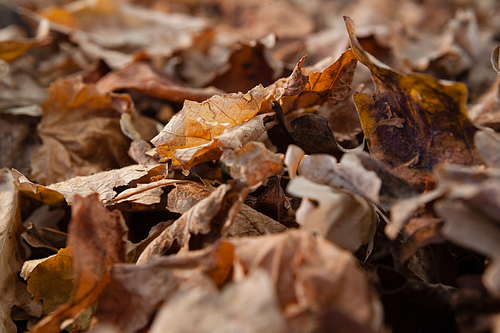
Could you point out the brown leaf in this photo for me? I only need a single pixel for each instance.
(249, 222)
(128, 306)
(310, 276)
(142, 77)
(203, 223)
(247, 66)
(253, 163)
(330, 85)
(413, 122)
(238, 307)
(81, 132)
(13, 291)
(95, 237)
(104, 183)
(189, 137)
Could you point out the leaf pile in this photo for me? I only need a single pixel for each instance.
(184, 166)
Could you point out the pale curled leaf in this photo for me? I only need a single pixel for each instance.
(105, 182)
(310, 275)
(12, 291)
(238, 307)
(345, 219)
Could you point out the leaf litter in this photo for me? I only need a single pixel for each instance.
(310, 177)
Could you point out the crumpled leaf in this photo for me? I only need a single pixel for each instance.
(345, 219)
(253, 163)
(306, 88)
(59, 271)
(160, 278)
(189, 137)
(95, 240)
(311, 276)
(142, 77)
(413, 122)
(76, 121)
(13, 291)
(238, 307)
(104, 183)
(273, 203)
(204, 222)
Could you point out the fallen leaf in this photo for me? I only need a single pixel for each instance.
(198, 124)
(203, 223)
(273, 203)
(95, 237)
(306, 88)
(253, 163)
(247, 66)
(142, 77)
(13, 291)
(238, 307)
(105, 183)
(76, 120)
(413, 122)
(310, 276)
(343, 218)
(59, 271)
(128, 306)
(10, 50)
(249, 222)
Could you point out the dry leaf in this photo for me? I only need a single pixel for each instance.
(142, 77)
(311, 276)
(306, 88)
(249, 222)
(345, 219)
(59, 271)
(13, 291)
(413, 122)
(253, 163)
(203, 223)
(95, 237)
(238, 307)
(198, 124)
(77, 120)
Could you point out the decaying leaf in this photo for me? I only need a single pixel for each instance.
(204, 222)
(142, 77)
(95, 238)
(57, 269)
(13, 291)
(238, 307)
(81, 132)
(343, 218)
(188, 138)
(128, 306)
(249, 222)
(311, 276)
(306, 88)
(253, 163)
(413, 122)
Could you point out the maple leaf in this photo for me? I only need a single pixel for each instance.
(413, 122)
